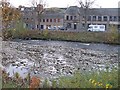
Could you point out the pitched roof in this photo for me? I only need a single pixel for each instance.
(72, 10)
(53, 15)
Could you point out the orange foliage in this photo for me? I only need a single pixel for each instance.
(35, 83)
(9, 13)
(9, 16)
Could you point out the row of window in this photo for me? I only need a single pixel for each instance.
(44, 20)
(95, 18)
(89, 18)
(28, 19)
(103, 18)
(50, 20)
(71, 17)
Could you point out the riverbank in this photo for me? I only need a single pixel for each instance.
(86, 37)
(53, 59)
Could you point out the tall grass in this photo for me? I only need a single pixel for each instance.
(97, 37)
(80, 79)
(19, 31)
(103, 79)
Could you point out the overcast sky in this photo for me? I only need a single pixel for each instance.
(66, 3)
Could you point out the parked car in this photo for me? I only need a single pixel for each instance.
(61, 28)
(52, 28)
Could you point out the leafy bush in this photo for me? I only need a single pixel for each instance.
(19, 31)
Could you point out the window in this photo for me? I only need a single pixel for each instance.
(58, 20)
(42, 26)
(96, 27)
(105, 18)
(67, 17)
(50, 20)
(71, 17)
(43, 20)
(94, 18)
(115, 18)
(47, 20)
(83, 25)
(83, 18)
(99, 18)
(119, 27)
(101, 27)
(118, 18)
(54, 20)
(75, 17)
(110, 18)
(37, 26)
(89, 18)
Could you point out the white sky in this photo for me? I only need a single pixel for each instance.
(66, 3)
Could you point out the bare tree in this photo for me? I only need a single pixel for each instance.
(39, 5)
(86, 5)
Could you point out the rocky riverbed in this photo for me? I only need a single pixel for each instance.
(53, 60)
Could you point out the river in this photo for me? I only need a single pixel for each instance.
(56, 58)
(93, 46)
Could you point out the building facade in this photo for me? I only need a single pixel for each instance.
(71, 18)
(75, 17)
(51, 19)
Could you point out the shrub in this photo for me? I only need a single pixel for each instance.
(112, 35)
(35, 83)
(19, 31)
(46, 83)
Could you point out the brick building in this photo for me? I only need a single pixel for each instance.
(72, 18)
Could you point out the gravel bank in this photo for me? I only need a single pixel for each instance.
(54, 60)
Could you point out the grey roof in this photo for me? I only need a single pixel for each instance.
(72, 10)
(53, 15)
(104, 11)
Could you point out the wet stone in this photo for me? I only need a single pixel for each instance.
(52, 61)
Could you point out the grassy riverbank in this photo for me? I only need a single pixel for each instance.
(101, 79)
(19, 31)
(86, 37)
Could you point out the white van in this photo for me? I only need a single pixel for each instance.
(96, 28)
